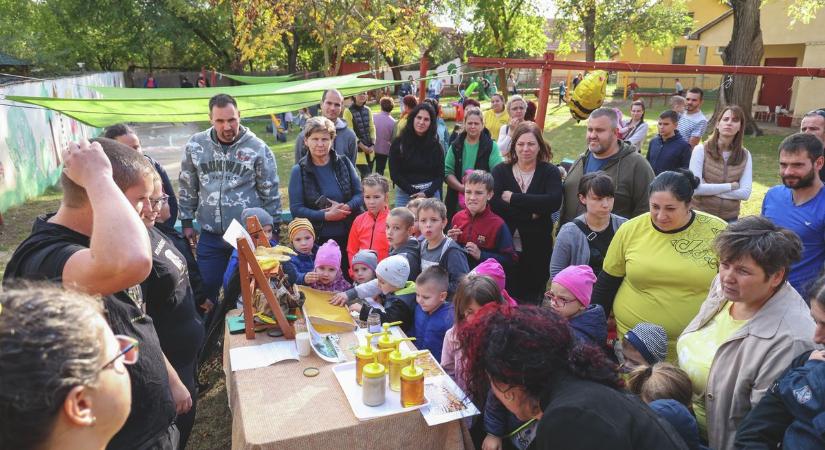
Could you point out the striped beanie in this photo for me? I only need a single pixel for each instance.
(650, 340)
(297, 225)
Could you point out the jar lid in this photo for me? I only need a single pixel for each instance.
(374, 370)
(397, 356)
(364, 351)
(412, 373)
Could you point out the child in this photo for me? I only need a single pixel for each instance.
(302, 236)
(368, 229)
(569, 296)
(668, 150)
(677, 104)
(413, 207)
(397, 294)
(801, 391)
(363, 266)
(327, 275)
(644, 345)
(399, 228)
(231, 278)
(436, 248)
(482, 233)
(668, 391)
(433, 317)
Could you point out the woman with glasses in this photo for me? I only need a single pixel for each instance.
(170, 302)
(63, 380)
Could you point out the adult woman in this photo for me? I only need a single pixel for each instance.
(516, 108)
(324, 187)
(384, 124)
(724, 167)
(528, 190)
(748, 329)
(496, 117)
(767, 425)
(635, 130)
(473, 149)
(417, 158)
(585, 240)
(63, 383)
(170, 302)
(529, 360)
(659, 265)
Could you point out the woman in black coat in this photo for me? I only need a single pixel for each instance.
(528, 358)
(528, 190)
(417, 157)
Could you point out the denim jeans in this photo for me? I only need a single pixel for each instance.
(213, 257)
(402, 198)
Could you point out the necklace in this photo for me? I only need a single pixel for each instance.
(523, 178)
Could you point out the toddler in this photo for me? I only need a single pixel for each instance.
(302, 236)
(327, 274)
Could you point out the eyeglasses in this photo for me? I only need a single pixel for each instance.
(556, 300)
(158, 202)
(128, 351)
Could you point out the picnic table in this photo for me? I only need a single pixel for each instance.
(652, 95)
(277, 407)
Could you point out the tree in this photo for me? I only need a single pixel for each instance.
(604, 25)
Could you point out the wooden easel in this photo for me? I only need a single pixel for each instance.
(253, 277)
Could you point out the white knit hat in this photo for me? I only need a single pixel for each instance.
(394, 270)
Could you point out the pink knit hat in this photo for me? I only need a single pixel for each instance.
(492, 268)
(579, 281)
(329, 254)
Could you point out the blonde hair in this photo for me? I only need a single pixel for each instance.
(318, 124)
(515, 98)
(661, 381)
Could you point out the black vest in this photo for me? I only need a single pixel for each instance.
(361, 123)
(312, 189)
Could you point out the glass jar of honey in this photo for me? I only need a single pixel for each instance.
(412, 385)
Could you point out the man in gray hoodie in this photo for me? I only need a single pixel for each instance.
(345, 144)
(224, 170)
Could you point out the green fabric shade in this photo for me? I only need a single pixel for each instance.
(191, 105)
(249, 79)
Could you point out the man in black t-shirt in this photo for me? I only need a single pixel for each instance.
(97, 244)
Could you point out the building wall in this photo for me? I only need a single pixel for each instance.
(31, 138)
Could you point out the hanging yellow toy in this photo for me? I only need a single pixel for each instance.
(588, 95)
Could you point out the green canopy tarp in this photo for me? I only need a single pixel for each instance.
(249, 79)
(189, 105)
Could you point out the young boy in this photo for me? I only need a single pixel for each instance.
(302, 236)
(437, 248)
(678, 104)
(569, 296)
(363, 266)
(413, 207)
(433, 317)
(644, 345)
(481, 231)
(668, 150)
(397, 294)
(327, 274)
(368, 229)
(399, 228)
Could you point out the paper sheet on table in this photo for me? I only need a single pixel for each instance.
(326, 318)
(447, 402)
(235, 232)
(255, 356)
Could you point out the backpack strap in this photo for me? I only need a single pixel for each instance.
(588, 234)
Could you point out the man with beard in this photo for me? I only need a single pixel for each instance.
(692, 123)
(629, 170)
(799, 204)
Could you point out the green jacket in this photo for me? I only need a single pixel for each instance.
(630, 171)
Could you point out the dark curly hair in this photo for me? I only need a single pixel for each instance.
(529, 347)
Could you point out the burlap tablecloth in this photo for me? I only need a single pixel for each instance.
(277, 407)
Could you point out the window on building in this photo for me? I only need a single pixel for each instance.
(679, 54)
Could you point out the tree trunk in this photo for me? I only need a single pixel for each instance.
(589, 23)
(744, 49)
(502, 83)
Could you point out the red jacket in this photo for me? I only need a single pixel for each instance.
(369, 232)
(489, 232)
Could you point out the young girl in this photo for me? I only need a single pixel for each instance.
(413, 207)
(327, 275)
(369, 228)
(569, 295)
(363, 267)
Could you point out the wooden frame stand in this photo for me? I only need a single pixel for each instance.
(254, 278)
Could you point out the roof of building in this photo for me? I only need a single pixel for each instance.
(696, 34)
(6, 60)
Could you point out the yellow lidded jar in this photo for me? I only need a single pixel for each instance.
(412, 385)
(374, 388)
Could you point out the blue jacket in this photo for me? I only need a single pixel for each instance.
(498, 420)
(299, 265)
(668, 155)
(681, 419)
(802, 390)
(590, 326)
(430, 328)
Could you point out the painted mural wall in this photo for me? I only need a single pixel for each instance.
(31, 137)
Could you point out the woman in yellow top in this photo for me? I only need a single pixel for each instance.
(750, 327)
(660, 264)
(496, 117)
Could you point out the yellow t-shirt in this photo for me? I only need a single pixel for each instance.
(696, 351)
(666, 274)
(494, 122)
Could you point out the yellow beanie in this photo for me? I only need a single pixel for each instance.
(300, 224)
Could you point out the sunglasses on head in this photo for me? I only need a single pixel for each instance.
(128, 351)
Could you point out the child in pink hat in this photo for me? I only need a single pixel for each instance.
(492, 268)
(328, 269)
(569, 295)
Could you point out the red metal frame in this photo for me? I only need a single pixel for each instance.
(548, 63)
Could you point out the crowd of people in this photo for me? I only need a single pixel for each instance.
(619, 301)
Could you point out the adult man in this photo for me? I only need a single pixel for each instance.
(384, 125)
(225, 169)
(96, 243)
(628, 168)
(692, 124)
(359, 117)
(345, 143)
(668, 150)
(813, 123)
(435, 88)
(126, 135)
(799, 204)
